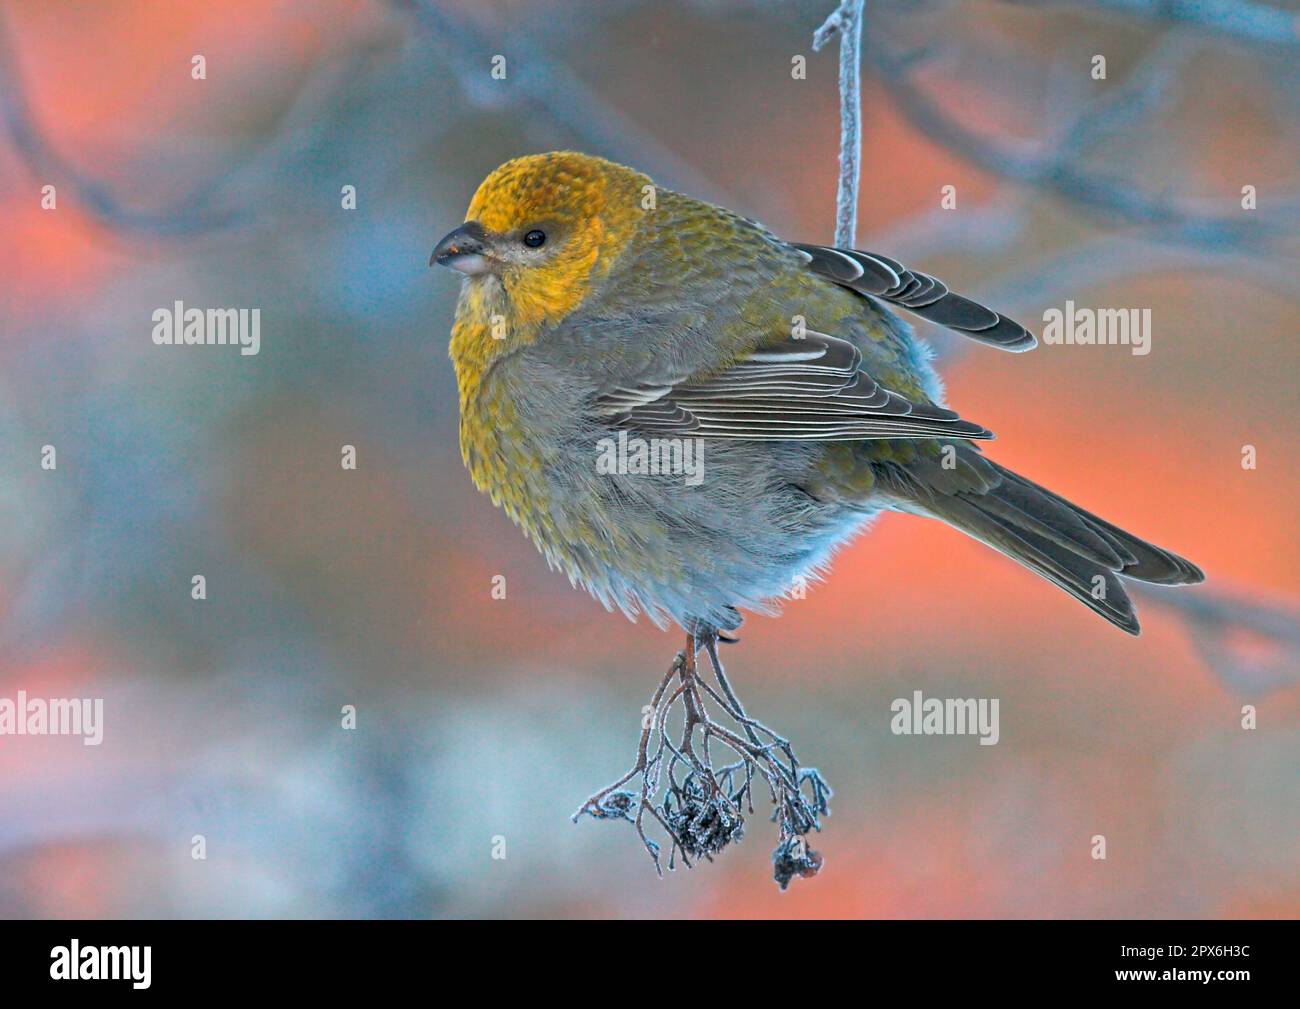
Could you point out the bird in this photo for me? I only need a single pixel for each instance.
(599, 309)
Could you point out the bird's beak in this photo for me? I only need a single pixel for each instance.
(464, 249)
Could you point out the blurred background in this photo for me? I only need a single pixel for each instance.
(482, 719)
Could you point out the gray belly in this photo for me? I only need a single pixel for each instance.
(690, 531)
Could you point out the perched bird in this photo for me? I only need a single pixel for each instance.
(596, 305)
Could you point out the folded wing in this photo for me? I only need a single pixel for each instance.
(811, 388)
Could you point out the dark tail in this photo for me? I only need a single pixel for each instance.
(1072, 548)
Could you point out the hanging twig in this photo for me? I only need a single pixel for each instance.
(846, 22)
(701, 807)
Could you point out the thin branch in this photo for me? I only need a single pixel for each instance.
(1144, 92)
(1252, 644)
(1240, 19)
(1119, 257)
(846, 22)
(200, 210)
(467, 38)
(1062, 170)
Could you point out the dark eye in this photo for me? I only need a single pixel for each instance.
(535, 239)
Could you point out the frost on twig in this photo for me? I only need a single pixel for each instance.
(846, 22)
(698, 785)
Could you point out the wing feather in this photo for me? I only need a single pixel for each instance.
(807, 389)
(881, 277)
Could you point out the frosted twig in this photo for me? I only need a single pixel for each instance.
(846, 22)
(700, 806)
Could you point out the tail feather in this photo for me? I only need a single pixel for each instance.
(1091, 583)
(1149, 563)
(1023, 505)
(1072, 548)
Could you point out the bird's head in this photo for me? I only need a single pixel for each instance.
(542, 229)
